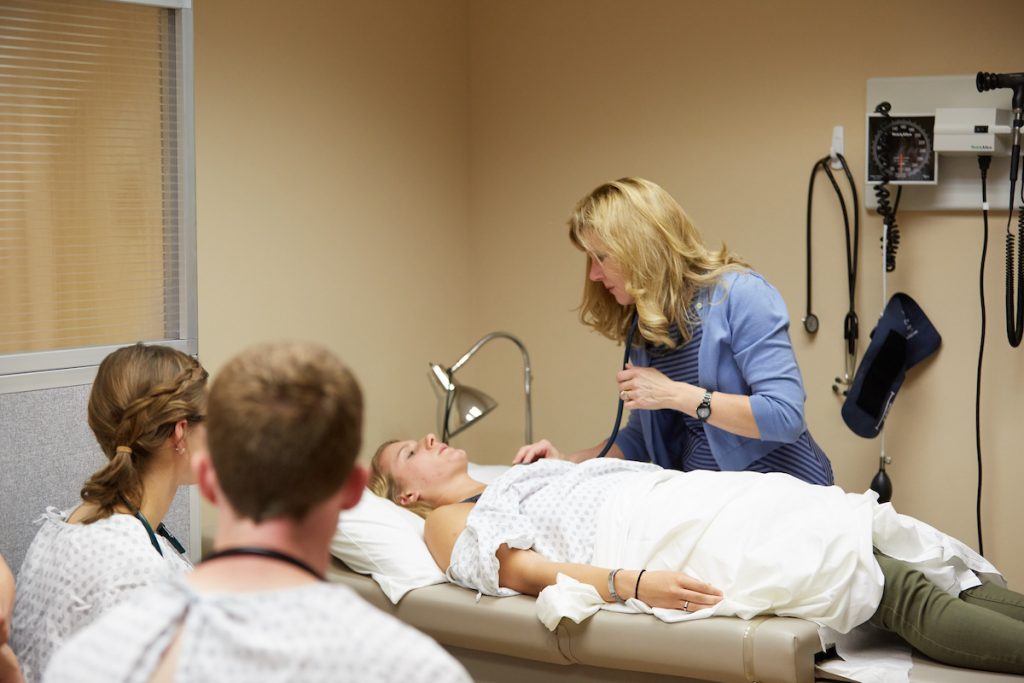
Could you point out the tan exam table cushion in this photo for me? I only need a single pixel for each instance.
(727, 649)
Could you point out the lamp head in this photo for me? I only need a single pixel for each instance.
(458, 406)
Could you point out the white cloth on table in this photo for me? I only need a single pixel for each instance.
(74, 572)
(773, 544)
(770, 543)
(313, 633)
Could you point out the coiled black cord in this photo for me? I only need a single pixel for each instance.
(891, 237)
(890, 231)
(1015, 324)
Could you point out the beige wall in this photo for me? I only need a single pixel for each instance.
(332, 174)
(728, 105)
(332, 166)
(353, 156)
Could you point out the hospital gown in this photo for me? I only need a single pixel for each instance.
(74, 572)
(312, 633)
(772, 544)
(550, 506)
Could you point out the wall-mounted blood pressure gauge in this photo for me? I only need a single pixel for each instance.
(902, 150)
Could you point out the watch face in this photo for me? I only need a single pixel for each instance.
(703, 412)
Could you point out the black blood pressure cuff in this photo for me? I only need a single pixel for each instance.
(903, 338)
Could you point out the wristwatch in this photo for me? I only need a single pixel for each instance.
(704, 409)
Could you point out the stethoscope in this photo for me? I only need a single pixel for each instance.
(851, 328)
(625, 360)
(161, 530)
(252, 551)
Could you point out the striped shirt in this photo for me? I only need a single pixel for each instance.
(802, 459)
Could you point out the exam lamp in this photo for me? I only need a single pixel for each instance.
(459, 406)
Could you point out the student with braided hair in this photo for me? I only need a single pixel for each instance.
(146, 409)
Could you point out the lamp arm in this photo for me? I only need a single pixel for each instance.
(526, 370)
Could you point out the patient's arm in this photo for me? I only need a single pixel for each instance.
(526, 571)
(529, 572)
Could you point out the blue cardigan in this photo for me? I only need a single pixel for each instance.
(744, 349)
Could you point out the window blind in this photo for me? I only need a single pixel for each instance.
(90, 233)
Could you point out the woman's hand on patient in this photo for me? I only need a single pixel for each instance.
(535, 451)
(649, 389)
(676, 590)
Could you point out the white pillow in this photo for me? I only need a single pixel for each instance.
(382, 539)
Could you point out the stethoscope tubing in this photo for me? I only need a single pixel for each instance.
(618, 413)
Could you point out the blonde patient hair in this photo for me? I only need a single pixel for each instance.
(285, 426)
(139, 394)
(385, 485)
(662, 255)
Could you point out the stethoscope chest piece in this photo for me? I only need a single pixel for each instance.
(811, 323)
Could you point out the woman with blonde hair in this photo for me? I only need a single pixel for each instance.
(713, 382)
(146, 409)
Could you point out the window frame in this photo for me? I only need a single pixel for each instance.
(34, 370)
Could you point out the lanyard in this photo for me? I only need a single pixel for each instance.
(162, 531)
(267, 553)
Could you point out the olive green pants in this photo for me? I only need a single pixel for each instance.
(981, 629)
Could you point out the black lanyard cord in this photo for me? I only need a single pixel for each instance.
(255, 551)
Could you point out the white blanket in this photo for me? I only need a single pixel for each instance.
(768, 542)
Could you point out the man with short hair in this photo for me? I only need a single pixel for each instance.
(284, 429)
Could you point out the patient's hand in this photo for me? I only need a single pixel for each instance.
(676, 590)
(535, 451)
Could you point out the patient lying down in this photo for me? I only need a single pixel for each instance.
(688, 545)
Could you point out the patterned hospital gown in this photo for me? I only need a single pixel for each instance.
(527, 508)
(312, 633)
(74, 572)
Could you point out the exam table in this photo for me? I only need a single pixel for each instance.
(501, 639)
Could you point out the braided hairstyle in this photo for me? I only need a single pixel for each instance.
(139, 394)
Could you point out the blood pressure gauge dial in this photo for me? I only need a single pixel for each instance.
(901, 149)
